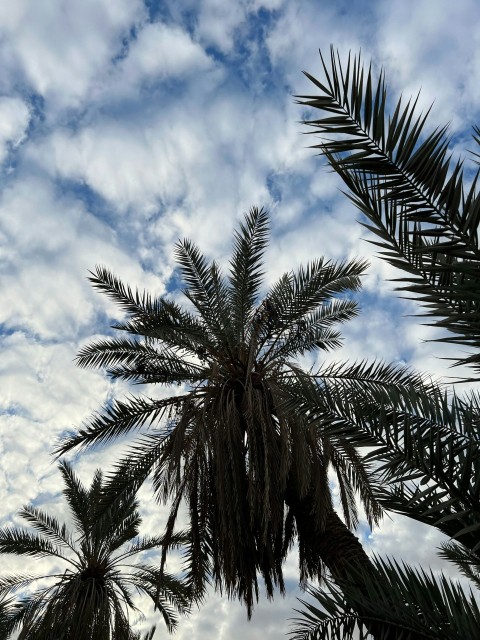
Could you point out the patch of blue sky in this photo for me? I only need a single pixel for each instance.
(36, 104)
(364, 532)
(275, 185)
(44, 497)
(175, 284)
(183, 14)
(91, 199)
(249, 60)
(13, 409)
(126, 41)
(285, 185)
(10, 329)
(158, 10)
(7, 330)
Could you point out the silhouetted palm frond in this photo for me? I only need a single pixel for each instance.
(414, 194)
(400, 602)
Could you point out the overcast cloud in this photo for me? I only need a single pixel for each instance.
(127, 125)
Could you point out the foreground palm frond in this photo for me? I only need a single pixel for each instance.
(90, 599)
(411, 603)
(414, 195)
(426, 446)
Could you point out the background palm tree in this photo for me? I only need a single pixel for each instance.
(252, 473)
(427, 445)
(90, 599)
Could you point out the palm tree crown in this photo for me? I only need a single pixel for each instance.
(251, 473)
(90, 599)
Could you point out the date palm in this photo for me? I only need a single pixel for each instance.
(252, 474)
(89, 599)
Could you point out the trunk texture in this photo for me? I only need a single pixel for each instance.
(338, 549)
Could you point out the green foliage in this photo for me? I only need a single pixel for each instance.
(425, 441)
(90, 598)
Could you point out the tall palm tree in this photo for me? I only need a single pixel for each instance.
(425, 217)
(252, 474)
(90, 598)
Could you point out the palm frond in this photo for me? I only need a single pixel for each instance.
(426, 444)
(467, 561)
(77, 497)
(163, 587)
(400, 602)
(21, 542)
(119, 419)
(297, 294)
(154, 542)
(409, 188)
(312, 331)
(249, 244)
(135, 304)
(15, 582)
(47, 526)
(203, 288)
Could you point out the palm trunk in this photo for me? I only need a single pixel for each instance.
(339, 550)
(335, 545)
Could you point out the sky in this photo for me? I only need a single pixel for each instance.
(127, 125)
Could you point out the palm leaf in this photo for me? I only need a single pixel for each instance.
(411, 603)
(118, 419)
(409, 188)
(249, 244)
(47, 525)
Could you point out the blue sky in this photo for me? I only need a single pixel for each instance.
(127, 125)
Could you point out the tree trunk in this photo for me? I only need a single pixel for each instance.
(338, 549)
(334, 544)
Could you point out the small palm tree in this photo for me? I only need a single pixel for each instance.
(90, 599)
(252, 473)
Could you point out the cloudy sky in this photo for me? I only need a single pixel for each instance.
(127, 125)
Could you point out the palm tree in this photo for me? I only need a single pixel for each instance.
(90, 598)
(252, 473)
(426, 222)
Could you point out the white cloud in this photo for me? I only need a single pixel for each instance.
(217, 21)
(160, 51)
(435, 51)
(61, 47)
(14, 119)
